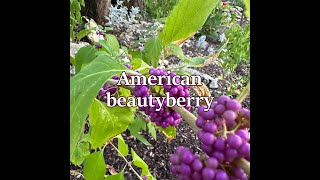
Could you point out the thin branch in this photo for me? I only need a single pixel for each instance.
(187, 116)
(245, 92)
(129, 164)
(243, 164)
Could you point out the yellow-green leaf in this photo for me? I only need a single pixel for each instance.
(122, 146)
(84, 87)
(94, 167)
(186, 18)
(107, 122)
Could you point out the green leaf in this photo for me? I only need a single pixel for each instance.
(84, 87)
(99, 53)
(136, 127)
(195, 62)
(113, 42)
(152, 130)
(124, 92)
(122, 146)
(183, 72)
(177, 51)
(141, 138)
(140, 65)
(80, 152)
(94, 167)
(72, 60)
(247, 3)
(118, 176)
(138, 124)
(107, 122)
(138, 54)
(137, 161)
(85, 137)
(169, 132)
(186, 18)
(153, 48)
(106, 47)
(125, 49)
(83, 33)
(84, 56)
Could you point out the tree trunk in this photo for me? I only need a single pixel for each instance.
(97, 10)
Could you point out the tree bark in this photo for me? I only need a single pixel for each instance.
(97, 10)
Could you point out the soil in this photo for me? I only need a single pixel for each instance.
(157, 155)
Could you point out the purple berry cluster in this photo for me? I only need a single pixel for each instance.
(189, 166)
(224, 137)
(224, 111)
(165, 116)
(109, 88)
(176, 90)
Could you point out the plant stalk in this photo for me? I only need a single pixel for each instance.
(245, 92)
(129, 164)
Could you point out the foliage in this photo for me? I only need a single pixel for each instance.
(237, 49)
(96, 64)
(159, 8)
(75, 15)
(219, 21)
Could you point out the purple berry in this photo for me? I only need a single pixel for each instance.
(200, 122)
(164, 125)
(208, 115)
(245, 149)
(220, 144)
(98, 46)
(219, 121)
(169, 120)
(219, 108)
(200, 134)
(197, 165)
(185, 169)
(186, 93)
(174, 159)
(173, 91)
(201, 110)
(212, 162)
(210, 127)
(231, 154)
(229, 115)
(187, 157)
(208, 174)
(196, 176)
(244, 112)
(233, 105)
(223, 99)
(239, 173)
(174, 169)
(128, 66)
(243, 134)
(205, 148)
(207, 138)
(219, 155)
(234, 141)
(144, 90)
(175, 115)
(181, 93)
(221, 175)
